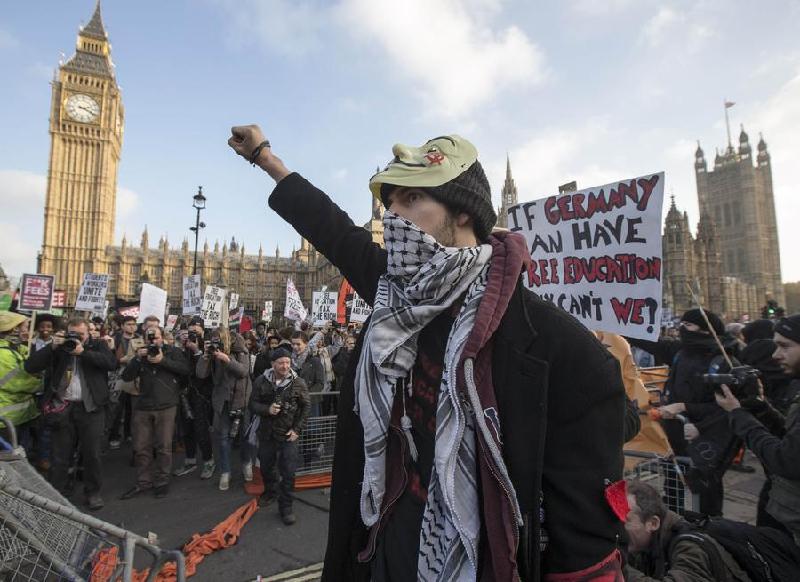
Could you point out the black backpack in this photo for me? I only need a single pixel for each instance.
(764, 553)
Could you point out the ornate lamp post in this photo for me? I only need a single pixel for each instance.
(199, 203)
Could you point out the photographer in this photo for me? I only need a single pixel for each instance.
(159, 368)
(777, 447)
(226, 361)
(197, 404)
(280, 399)
(74, 406)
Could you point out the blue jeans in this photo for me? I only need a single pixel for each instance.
(224, 442)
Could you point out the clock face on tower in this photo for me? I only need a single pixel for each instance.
(82, 108)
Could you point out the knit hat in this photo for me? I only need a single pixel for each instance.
(696, 317)
(758, 329)
(9, 320)
(278, 353)
(759, 355)
(447, 167)
(789, 327)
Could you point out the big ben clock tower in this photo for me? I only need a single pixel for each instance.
(86, 120)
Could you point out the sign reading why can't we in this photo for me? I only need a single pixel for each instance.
(596, 253)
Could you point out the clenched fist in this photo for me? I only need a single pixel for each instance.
(245, 139)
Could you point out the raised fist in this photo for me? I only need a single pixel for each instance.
(244, 139)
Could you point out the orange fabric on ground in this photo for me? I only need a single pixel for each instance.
(224, 535)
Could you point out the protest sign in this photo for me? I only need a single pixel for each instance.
(596, 253)
(235, 316)
(59, 298)
(192, 295)
(36, 292)
(92, 293)
(294, 305)
(152, 301)
(171, 321)
(266, 314)
(211, 310)
(323, 307)
(234, 301)
(130, 311)
(345, 302)
(360, 311)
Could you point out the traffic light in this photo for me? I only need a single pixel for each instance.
(772, 310)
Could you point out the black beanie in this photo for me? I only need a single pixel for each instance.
(789, 327)
(758, 329)
(279, 352)
(758, 354)
(696, 317)
(469, 192)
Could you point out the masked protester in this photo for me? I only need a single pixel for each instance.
(696, 427)
(467, 437)
(74, 407)
(17, 387)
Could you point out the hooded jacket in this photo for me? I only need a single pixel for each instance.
(232, 382)
(17, 387)
(538, 375)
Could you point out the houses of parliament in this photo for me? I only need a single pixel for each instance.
(733, 255)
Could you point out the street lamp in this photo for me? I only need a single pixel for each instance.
(198, 204)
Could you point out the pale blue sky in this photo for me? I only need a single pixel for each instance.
(576, 89)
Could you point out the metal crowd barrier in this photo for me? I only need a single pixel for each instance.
(666, 474)
(44, 538)
(319, 437)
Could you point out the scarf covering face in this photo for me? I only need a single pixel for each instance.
(423, 279)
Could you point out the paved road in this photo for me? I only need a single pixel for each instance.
(266, 547)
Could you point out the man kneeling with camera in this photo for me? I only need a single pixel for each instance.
(280, 399)
(159, 368)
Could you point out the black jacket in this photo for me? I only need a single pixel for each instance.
(294, 402)
(560, 398)
(96, 361)
(312, 373)
(159, 384)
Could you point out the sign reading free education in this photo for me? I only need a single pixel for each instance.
(92, 294)
(596, 253)
(36, 292)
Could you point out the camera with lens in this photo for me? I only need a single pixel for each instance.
(71, 341)
(742, 381)
(236, 421)
(193, 337)
(213, 346)
(152, 349)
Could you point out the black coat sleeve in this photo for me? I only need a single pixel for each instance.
(40, 360)
(99, 355)
(633, 424)
(331, 231)
(303, 406)
(175, 361)
(131, 371)
(779, 456)
(259, 403)
(663, 350)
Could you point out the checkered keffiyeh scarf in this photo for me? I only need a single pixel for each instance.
(424, 279)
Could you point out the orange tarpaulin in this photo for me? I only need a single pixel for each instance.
(651, 437)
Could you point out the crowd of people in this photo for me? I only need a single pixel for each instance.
(89, 386)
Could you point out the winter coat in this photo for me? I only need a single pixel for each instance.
(159, 384)
(312, 372)
(294, 402)
(683, 561)
(17, 386)
(778, 450)
(232, 382)
(559, 399)
(96, 361)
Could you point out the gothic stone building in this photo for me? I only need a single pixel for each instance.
(86, 129)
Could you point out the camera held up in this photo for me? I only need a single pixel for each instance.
(742, 381)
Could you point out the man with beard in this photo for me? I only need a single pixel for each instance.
(773, 438)
(696, 353)
(478, 449)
